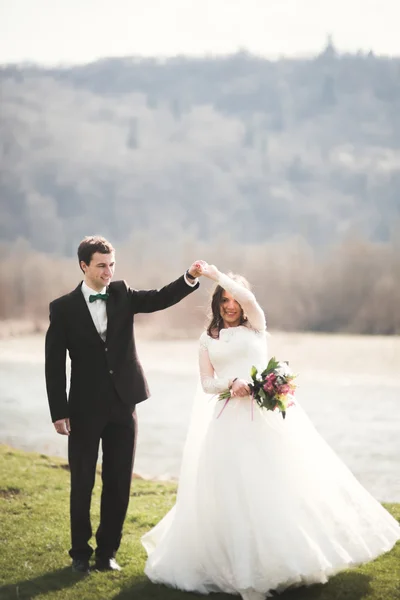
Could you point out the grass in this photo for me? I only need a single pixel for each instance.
(34, 492)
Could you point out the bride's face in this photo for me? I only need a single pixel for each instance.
(230, 310)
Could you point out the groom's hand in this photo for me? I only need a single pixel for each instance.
(197, 268)
(62, 426)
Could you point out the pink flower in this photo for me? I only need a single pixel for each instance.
(269, 382)
(284, 389)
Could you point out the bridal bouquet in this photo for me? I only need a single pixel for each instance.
(272, 389)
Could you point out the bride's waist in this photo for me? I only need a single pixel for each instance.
(235, 401)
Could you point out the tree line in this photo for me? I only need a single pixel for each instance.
(353, 287)
(286, 170)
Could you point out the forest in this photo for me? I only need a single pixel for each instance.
(287, 171)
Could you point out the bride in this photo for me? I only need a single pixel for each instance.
(263, 503)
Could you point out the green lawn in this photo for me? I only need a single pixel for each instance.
(34, 562)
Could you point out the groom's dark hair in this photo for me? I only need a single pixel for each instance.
(91, 244)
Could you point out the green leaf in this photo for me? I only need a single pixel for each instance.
(272, 364)
(262, 394)
(253, 372)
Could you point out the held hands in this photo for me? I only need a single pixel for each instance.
(209, 271)
(62, 426)
(240, 387)
(200, 267)
(196, 269)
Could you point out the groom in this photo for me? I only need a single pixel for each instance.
(94, 323)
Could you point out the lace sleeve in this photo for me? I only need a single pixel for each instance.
(247, 301)
(210, 383)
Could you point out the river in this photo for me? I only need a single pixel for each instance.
(348, 385)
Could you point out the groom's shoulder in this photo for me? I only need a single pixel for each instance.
(119, 287)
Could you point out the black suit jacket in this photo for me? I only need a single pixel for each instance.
(96, 366)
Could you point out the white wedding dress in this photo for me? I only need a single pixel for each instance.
(263, 503)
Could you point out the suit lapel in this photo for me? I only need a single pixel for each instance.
(82, 314)
(111, 310)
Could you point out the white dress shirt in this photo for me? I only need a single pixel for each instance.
(97, 309)
(190, 282)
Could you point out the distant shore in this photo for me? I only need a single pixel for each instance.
(13, 328)
(372, 357)
(10, 328)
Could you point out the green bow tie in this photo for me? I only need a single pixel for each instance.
(94, 297)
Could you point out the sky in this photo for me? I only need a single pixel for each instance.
(54, 32)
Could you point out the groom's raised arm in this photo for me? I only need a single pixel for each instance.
(147, 301)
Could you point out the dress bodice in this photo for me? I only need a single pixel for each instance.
(235, 351)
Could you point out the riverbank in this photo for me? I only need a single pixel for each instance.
(34, 563)
(369, 356)
(11, 328)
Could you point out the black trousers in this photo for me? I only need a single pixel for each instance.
(117, 430)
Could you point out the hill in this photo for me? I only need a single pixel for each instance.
(260, 149)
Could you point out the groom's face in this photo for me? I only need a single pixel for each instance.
(100, 270)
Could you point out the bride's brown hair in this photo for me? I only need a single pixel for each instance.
(216, 321)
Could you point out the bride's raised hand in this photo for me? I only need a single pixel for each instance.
(211, 272)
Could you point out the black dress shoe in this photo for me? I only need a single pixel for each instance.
(106, 564)
(80, 565)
